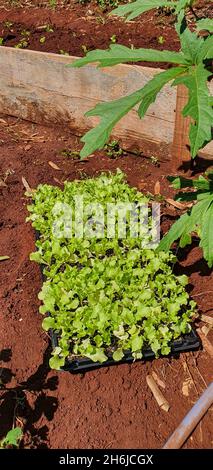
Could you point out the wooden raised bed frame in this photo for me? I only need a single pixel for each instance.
(37, 86)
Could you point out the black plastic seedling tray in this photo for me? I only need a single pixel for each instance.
(189, 342)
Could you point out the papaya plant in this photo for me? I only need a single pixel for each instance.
(191, 68)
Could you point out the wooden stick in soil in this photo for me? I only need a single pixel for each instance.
(160, 399)
(180, 146)
(183, 431)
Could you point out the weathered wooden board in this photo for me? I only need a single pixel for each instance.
(37, 86)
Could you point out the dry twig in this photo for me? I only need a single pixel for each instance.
(160, 399)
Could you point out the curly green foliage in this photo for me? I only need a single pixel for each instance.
(104, 189)
(198, 219)
(106, 295)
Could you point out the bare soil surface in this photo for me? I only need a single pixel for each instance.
(106, 408)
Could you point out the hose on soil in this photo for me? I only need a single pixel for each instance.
(183, 431)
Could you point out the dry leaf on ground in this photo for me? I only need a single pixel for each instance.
(29, 190)
(141, 185)
(54, 166)
(2, 183)
(157, 188)
(58, 181)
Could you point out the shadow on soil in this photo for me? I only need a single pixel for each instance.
(196, 166)
(197, 266)
(27, 402)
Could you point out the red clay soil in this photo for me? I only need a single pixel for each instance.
(81, 27)
(110, 407)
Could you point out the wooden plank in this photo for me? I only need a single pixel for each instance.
(38, 87)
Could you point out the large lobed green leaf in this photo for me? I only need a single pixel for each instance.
(138, 7)
(111, 112)
(198, 106)
(118, 54)
(134, 9)
(189, 222)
